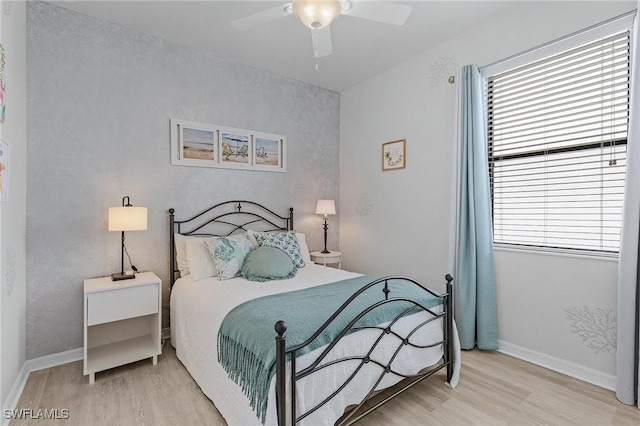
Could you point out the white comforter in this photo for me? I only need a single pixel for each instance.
(198, 308)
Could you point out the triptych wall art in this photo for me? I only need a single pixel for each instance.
(210, 145)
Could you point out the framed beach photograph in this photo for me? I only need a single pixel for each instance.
(394, 155)
(197, 144)
(268, 152)
(235, 148)
(194, 144)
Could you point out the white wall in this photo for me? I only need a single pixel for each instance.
(13, 210)
(540, 296)
(409, 227)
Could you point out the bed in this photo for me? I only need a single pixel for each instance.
(374, 332)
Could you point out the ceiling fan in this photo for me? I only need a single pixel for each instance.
(319, 14)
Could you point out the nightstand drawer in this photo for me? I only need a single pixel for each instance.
(115, 305)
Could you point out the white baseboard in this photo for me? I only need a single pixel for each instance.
(15, 393)
(36, 364)
(577, 371)
(54, 360)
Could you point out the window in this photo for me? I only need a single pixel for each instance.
(557, 134)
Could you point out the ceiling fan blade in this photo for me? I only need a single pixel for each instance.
(380, 11)
(321, 40)
(260, 18)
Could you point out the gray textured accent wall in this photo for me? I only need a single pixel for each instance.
(99, 100)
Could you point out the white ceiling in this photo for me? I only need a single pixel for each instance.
(361, 48)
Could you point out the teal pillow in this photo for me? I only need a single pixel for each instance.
(285, 241)
(267, 264)
(228, 254)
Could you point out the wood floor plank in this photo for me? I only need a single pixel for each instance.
(494, 389)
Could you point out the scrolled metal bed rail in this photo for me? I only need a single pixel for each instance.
(283, 353)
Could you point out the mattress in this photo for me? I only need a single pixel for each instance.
(198, 308)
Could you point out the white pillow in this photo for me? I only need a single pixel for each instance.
(181, 253)
(200, 261)
(304, 250)
(182, 259)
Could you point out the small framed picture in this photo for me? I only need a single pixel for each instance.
(268, 152)
(234, 148)
(394, 155)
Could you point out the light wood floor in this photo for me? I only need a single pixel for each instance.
(494, 389)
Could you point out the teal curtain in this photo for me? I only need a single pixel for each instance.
(475, 288)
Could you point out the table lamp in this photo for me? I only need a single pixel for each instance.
(126, 218)
(326, 207)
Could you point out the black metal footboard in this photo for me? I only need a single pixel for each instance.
(284, 354)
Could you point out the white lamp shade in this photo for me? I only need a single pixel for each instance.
(127, 218)
(316, 14)
(326, 207)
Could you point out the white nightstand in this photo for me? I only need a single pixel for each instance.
(327, 258)
(122, 321)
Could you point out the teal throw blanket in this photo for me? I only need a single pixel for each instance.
(246, 340)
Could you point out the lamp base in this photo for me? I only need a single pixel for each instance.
(325, 251)
(119, 276)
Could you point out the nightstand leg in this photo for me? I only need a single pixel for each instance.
(92, 378)
(155, 360)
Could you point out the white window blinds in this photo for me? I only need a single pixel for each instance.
(557, 132)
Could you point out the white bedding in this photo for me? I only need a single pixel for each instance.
(198, 308)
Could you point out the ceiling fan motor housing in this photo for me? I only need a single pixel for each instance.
(317, 14)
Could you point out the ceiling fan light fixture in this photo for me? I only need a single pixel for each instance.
(316, 14)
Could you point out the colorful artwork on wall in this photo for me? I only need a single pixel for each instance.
(2, 62)
(268, 152)
(394, 155)
(4, 170)
(198, 143)
(235, 148)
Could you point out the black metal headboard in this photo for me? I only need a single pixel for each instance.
(225, 219)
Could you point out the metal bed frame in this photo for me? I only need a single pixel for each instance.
(283, 354)
(223, 220)
(237, 216)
